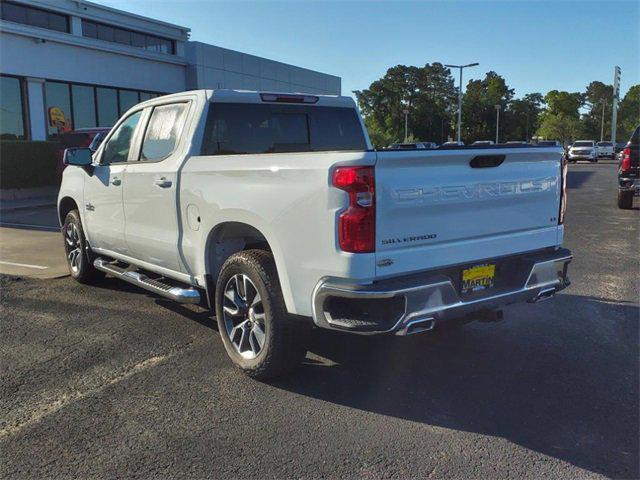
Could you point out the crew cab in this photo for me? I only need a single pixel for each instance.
(274, 211)
(582, 150)
(605, 150)
(629, 171)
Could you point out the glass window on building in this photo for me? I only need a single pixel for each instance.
(107, 99)
(11, 109)
(36, 17)
(58, 102)
(84, 106)
(128, 98)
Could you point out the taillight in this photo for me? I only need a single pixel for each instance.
(563, 190)
(625, 164)
(357, 224)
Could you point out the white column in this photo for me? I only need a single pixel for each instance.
(37, 110)
(76, 26)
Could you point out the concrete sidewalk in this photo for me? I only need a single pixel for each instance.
(32, 253)
(28, 203)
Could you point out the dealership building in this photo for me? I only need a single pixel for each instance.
(70, 64)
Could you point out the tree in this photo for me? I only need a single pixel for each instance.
(478, 106)
(628, 114)
(597, 96)
(564, 103)
(426, 92)
(558, 126)
(521, 118)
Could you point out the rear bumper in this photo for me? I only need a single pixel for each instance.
(629, 184)
(418, 302)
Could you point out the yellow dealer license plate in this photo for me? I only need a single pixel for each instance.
(478, 278)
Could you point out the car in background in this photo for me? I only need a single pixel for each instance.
(453, 144)
(582, 150)
(412, 146)
(81, 137)
(482, 142)
(549, 143)
(516, 142)
(628, 172)
(605, 149)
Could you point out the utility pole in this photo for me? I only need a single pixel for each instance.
(616, 96)
(460, 94)
(406, 124)
(497, 122)
(602, 124)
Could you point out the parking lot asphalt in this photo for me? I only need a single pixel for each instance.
(110, 381)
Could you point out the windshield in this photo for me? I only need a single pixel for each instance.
(583, 144)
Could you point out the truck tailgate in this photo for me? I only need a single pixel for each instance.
(444, 207)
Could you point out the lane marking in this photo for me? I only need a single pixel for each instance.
(25, 265)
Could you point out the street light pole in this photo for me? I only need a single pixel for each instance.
(602, 124)
(406, 124)
(460, 94)
(497, 121)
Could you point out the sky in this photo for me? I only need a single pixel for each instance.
(536, 46)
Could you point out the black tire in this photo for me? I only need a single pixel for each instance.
(625, 200)
(81, 268)
(284, 337)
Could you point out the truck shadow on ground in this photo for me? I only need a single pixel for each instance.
(560, 378)
(575, 179)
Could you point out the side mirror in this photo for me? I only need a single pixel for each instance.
(80, 157)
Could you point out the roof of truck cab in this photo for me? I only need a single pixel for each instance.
(252, 96)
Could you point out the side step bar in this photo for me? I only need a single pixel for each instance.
(181, 295)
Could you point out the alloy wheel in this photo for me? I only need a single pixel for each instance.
(73, 246)
(244, 316)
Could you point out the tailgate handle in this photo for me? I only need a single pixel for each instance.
(486, 161)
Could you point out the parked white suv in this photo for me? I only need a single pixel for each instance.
(583, 150)
(605, 150)
(275, 211)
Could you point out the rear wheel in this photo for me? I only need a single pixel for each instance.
(259, 335)
(625, 200)
(77, 251)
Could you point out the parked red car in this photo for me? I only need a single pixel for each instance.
(82, 137)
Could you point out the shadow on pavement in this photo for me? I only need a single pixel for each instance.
(575, 179)
(561, 379)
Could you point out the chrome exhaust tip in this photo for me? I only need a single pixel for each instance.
(543, 295)
(418, 325)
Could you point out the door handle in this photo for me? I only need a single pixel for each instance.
(163, 182)
(116, 181)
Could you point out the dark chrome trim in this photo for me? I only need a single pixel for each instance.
(438, 299)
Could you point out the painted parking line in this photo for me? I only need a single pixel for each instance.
(25, 265)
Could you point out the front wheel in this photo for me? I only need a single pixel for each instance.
(259, 335)
(77, 251)
(625, 200)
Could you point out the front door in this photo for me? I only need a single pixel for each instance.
(150, 193)
(103, 191)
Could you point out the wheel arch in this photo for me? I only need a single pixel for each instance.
(65, 205)
(229, 237)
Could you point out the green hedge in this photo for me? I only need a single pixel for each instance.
(25, 164)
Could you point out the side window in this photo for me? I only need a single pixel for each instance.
(117, 148)
(163, 131)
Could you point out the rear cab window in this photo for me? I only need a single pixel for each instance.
(247, 128)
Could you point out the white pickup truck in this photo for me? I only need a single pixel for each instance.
(275, 211)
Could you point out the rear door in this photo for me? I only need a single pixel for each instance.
(150, 198)
(445, 207)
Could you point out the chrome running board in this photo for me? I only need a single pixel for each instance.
(178, 294)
